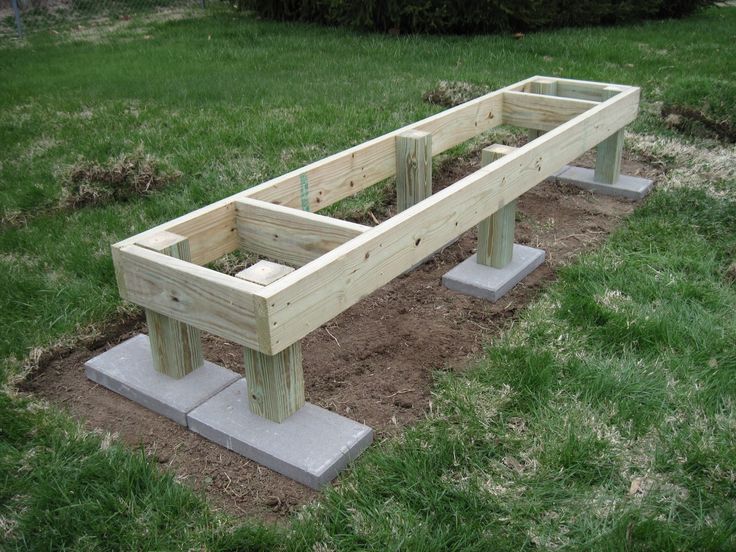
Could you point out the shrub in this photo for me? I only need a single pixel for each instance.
(461, 17)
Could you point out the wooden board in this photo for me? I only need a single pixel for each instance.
(571, 88)
(289, 235)
(608, 152)
(176, 347)
(496, 233)
(355, 169)
(413, 168)
(203, 298)
(541, 112)
(275, 382)
(211, 231)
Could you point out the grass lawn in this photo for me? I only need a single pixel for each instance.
(605, 421)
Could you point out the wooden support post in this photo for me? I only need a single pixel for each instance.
(496, 233)
(413, 168)
(275, 382)
(608, 152)
(176, 347)
(547, 87)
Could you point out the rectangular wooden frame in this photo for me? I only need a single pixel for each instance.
(340, 262)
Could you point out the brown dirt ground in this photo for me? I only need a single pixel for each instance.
(373, 363)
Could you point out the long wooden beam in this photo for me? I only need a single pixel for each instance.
(289, 235)
(303, 300)
(541, 112)
(346, 173)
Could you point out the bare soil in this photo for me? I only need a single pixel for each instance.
(373, 363)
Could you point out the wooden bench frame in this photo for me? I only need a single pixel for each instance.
(338, 263)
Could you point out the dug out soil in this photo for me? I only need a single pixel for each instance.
(373, 363)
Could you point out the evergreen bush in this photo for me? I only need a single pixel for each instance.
(474, 16)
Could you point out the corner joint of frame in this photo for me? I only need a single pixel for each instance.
(263, 323)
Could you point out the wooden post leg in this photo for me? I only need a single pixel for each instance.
(496, 233)
(413, 168)
(176, 347)
(608, 153)
(542, 86)
(275, 383)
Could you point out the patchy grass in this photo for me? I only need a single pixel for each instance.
(64, 489)
(604, 420)
(119, 179)
(450, 94)
(708, 166)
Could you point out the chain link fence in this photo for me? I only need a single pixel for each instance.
(21, 17)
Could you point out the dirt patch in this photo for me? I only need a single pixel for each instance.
(694, 122)
(373, 363)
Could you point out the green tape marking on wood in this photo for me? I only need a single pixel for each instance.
(305, 192)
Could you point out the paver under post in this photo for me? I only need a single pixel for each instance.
(606, 178)
(413, 168)
(277, 428)
(499, 264)
(542, 86)
(176, 347)
(275, 382)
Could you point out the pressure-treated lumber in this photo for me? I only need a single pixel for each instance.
(275, 382)
(541, 112)
(496, 233)
(413, 168)
(547, 87)
(208, 300)
(581, 90)
(570, 88)
(314, 294)
(212, 231)
(608, 152)
(346, 173)
(289, 235)
(176, 347)
(271, 318)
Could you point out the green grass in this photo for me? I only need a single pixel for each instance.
(625, 370)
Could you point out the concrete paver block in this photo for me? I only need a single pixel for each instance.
(311, 446)
(629, 187)
(264, 272)
(487, 282)
(128, 370)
